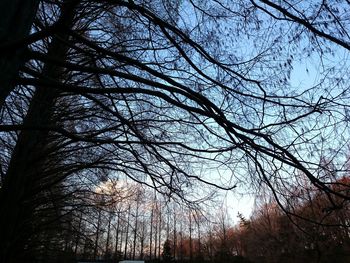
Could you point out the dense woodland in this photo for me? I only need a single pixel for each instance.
(123, 123)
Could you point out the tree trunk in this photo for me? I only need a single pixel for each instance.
(135, 230)
(174, 244)
(190, 231)
(16, 19)
(28, 158)
(156, 234)
(97, 234)
(199, 255)
(159, 230)
(78, 235)
(117, 237)
(210, 247)
(181, 242)
(151, 233)
(142, 240)
(127, 234)
(107, 251)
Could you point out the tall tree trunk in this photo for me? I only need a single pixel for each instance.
(181, 242)
(156, 234)
(135, 230)
(28, 157)
(77, 240)
(210, 247)
(121, 244)
(127, 234)
(191, 246)
(199, 255)
(168, 225)
(174, 244)
(151, 232)
(159, 229)
(97, 234)
(223, 248)
(16, 19)
(107, 251)
(117, 237)
(142, 240)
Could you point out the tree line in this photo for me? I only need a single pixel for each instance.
(147, 226)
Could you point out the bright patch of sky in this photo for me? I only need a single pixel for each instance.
(237, 203)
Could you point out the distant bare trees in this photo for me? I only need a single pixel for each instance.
(270, 236)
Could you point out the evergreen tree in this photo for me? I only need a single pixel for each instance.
(167, 255)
